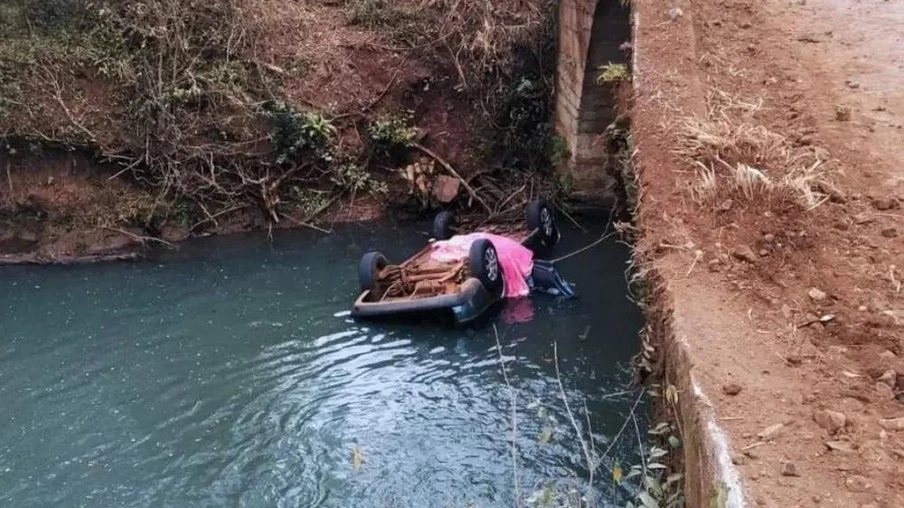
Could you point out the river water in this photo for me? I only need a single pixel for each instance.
(229, 374)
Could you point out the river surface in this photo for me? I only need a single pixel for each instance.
(229, 374)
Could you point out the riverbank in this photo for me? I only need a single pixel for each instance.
(255, 114)
(771, 241)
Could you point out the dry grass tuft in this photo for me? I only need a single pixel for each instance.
(749, 161)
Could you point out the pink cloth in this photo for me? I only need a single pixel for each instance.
(516, 260)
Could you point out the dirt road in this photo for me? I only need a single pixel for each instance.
(770, 153)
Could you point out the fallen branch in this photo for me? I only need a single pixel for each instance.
(448, 167)
(140, 238)
(297, 222)
(212, 218)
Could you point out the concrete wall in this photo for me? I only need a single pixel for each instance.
(591, 34)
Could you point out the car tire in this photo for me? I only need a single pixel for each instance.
(442, 225)
(483, 261)
(369, 269)
(542, 218)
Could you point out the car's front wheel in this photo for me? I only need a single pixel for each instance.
(369, 269)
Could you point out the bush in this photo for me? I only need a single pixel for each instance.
(294, 133)
(391, 135)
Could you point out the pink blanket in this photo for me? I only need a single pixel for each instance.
(516, 261)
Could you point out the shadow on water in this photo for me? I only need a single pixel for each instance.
(229, 373)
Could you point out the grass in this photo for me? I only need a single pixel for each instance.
(750, 162)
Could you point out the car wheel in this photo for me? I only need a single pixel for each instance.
(369, 269)
(442, 225)
(541, 217)
(483, 261)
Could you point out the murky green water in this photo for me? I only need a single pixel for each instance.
(227, 374)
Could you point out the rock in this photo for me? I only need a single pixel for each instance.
(842, 113)
(889, 377)
(835, 194)
(889, 232)
(887, 355)
(771, 432)
(852, 84)
(769, 237)
(857, 483)
(731, 389)
(788, 469)
(874, 451)
(744, 253)
(862, 218)
(816, 295)
(738, 460)
(745, 25)
(832, 421)
(840, 446)
(445, 188)
(884, 391)
(884, 204)
(892, 423)
(787, 313)
(726, 205)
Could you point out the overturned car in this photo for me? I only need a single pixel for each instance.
(462, 275)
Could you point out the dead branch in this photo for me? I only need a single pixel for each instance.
(448, 167)
(142, 239)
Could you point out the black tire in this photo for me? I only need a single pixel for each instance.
(542, 218)
(442, 225)
(483, 261)
(369, 268)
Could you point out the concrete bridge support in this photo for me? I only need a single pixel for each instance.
(592, 33)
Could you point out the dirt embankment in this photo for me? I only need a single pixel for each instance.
(770, 168)
(124, 124)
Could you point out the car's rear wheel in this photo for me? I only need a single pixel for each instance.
(442, 225)
(369, 269)
(542, 218)
(483, 261)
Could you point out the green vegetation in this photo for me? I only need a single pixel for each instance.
(612, 73)
(293, 133)
(393, 131)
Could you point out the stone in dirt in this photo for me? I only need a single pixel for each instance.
(840, 446)
(885, 203)
(889, 377)
(857, 483)
(842, 113)
(862, 218)
(884, 391)
(832, 421)
(816, 295)
(892, 423)
(835, 194)
(788, 469)
(744, 253)
(445, 188)
(889, 232)
(731, 389)
(771, 432)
